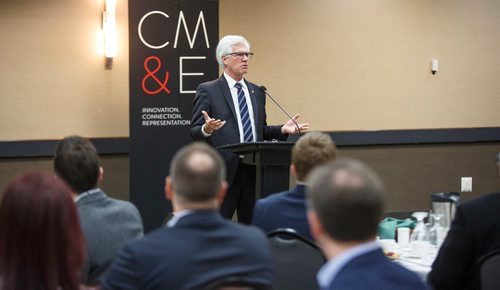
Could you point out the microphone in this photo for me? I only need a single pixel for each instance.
(264, 90)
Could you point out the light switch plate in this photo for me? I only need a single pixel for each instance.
(466, 184)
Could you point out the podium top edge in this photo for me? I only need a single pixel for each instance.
(260, 144)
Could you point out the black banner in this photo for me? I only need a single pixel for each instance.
(172, 50)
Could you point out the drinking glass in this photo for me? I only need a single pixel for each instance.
(420, 238)
(437, 231)
(420, 231)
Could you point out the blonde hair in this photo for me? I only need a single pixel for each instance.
(311, 150)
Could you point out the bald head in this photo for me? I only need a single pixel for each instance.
(200, 162)
(197, 173)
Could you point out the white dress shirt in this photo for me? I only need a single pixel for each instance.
(234, 94)
(177, 216)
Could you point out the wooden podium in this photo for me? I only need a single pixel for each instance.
(271, 161)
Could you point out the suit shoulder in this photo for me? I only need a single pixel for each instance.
(151, 241)
(379, 271)
(250, 84)
(209, 84)
(248, 231)
(273, 201)
(110, 211)
(124, 205)
(275, 197)
(265, 206)
(479, 202)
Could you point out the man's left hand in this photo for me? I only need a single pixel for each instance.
(292, 127)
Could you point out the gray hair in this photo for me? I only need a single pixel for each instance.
(226, 44)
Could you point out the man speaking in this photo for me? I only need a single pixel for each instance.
(232, 110)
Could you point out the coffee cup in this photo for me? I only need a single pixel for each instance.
(403, 237)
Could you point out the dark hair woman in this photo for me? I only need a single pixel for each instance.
(41, 244)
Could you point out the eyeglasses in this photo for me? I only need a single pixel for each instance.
(240, 55)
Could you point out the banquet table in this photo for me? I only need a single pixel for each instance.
(416, 263)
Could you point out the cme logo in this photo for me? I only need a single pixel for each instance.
(154, 80)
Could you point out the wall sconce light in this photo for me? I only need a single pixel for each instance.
(109, 29)
(434, 66)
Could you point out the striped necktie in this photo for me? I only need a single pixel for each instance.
(245, 116)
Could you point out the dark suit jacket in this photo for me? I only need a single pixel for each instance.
(214, 97)
(286, 209)
(200, 248)
(374, 271)
(475, 231)
(107, 225)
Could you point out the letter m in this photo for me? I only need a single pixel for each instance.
(191, 41)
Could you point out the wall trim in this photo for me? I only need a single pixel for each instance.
(120, 145)
(406, 137)
(46, 148)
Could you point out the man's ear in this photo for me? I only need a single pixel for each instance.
(314, 224)
(293, 170)
(224, 61)
(101, 173)
(222, 192)
(168, 188)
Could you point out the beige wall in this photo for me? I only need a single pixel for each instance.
(53, 82)
(344, 64)
(355, 65)
(116, 172)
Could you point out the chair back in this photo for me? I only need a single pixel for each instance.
(297, 260)
(234, 283)
(489, 270)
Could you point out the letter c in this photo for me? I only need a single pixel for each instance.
(139, 28)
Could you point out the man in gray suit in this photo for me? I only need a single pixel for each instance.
(107, 223)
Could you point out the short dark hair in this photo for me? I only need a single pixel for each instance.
(197, 172)
(347, 197)
(76, 161)
(41, 245)
(311, 150)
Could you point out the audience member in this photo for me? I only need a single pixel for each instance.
(198, 245)
(107, 223)
(346, 203)
(41, 244)
(474, 232)
(288, 209)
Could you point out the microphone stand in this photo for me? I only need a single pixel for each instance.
(264, 90)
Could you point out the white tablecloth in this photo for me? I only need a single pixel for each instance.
(419, 265)
(415, 265)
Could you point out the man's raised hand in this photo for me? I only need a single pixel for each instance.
(211, 124)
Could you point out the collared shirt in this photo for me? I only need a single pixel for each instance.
(329, 271)
(234, 94)
(177, 216)
(86, 193)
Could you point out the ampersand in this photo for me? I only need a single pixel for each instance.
(163, 86)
